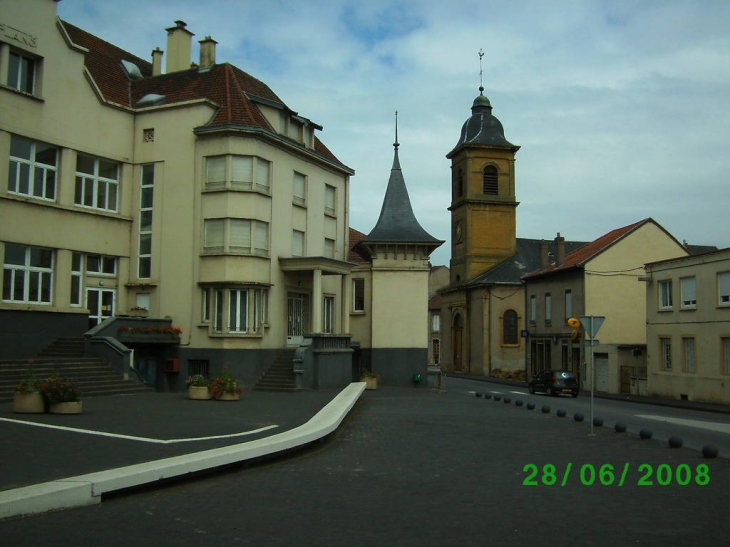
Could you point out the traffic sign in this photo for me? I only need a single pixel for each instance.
(592, 324)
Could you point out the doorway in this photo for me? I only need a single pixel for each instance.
(458, 330)
(296, 318)
(100, 303)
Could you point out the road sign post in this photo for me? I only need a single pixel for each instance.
(592, 324)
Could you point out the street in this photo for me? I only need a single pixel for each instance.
(429, 468)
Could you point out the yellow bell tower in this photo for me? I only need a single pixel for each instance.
(483, 203)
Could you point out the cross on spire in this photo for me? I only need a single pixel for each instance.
(395, 144)
(481, 71)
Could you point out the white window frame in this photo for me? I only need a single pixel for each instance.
(77, 280)
(298, 243)
(328, 314)
(533, 309)
(238, 172)
(664, 288)
(237, 236)
(31, 176)
(103, 191)
(35, 281)
(101, 265)
(688, 292)
(330, 200)
(358, 300)
(329, 247)
(723, 289)
(22, 72)
(568, 304)
(146, 202)
(436, 322)
(548, 309)
(299, 189)
(236, 311)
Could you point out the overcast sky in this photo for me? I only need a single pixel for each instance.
(621, 107)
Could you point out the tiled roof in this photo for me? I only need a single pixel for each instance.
(578, 258)
(225, 85)
(355, 238)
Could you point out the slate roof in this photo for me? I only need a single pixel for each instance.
(524, 261)
(397, 223)
(482, 128)
(233, 91)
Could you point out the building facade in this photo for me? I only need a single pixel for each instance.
(194, 194)
(601, 278)
(688, 327)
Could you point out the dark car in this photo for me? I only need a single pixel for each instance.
(554, 382)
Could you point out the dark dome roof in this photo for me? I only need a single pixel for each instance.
(482, 127)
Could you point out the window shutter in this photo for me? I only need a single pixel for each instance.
(262, 173)
(241, 171)
(240, 238)
(262, 236)
(216, 171)
(214, 234)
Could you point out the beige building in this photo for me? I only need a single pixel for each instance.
(688, 327)
(194, 194)
(601, 278)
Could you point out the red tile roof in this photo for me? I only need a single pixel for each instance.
(355, 238)
(227, 86)
(580, 256)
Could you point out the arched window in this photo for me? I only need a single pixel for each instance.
(489, 180)
(510, 334)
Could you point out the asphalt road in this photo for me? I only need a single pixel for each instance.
(426, 468)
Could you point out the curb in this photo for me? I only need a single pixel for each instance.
(87, 489)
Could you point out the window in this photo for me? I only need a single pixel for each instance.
(436, 345)
(97, 183)
(328, 314)
(690, 361)
(358, 295)
(490, 184)
(297, 243)
(144, 266)
(329, 200)
(436, 323)
(77, 272)
(533, 309)
(665, 295)
(205, 305)
(459, 183)
(689, 292)
(299, 190)
(144, 300)
(236, 236)
(665, 345)
(510, 334)
(238, 173)
(27, 274)
(548, 309)
(726, 356)
(568, 304)
(101, 265)
(723, 289)
(33, 167)
(21, 72)
(329, 247)
(245, 308)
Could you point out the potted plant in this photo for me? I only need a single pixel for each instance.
(62, 394)
(198, 387)
(370, 378)
(225, 387)
(27, 397)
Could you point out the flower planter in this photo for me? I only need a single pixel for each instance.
(370, 383)
(228, 397)
(29, 403)
(68, 407)
(199, 393)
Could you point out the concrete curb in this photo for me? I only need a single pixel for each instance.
(88, 489)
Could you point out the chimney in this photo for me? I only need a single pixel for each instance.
(157, 61)
(179, 47)
(544, 254)
(207, 52)
(560, 250)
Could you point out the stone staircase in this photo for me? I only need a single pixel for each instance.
(280, 375)
(65, 358)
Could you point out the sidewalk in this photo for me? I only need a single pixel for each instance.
(689, 405)
(118, 442)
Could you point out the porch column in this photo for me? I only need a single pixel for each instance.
(317, 301)
(346, 292)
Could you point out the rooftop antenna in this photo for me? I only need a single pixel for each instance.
(396, 131)
(481, 71)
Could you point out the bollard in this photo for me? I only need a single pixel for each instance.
(578, 417)
(645, 434)
(620, 427)
(560, 413)
(709, 451)
(675, 442)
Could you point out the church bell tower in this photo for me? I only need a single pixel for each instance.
(483, 203)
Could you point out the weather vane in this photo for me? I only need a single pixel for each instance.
(396, 130)
(481, 71)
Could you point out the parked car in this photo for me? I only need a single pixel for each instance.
(554, 382)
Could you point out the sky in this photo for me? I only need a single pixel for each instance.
(621, 107)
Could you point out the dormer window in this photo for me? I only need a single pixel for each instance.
(490, 181)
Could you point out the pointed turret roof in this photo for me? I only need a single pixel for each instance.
(397, 223)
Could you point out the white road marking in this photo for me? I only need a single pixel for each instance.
(141, 439)
(712, 426)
